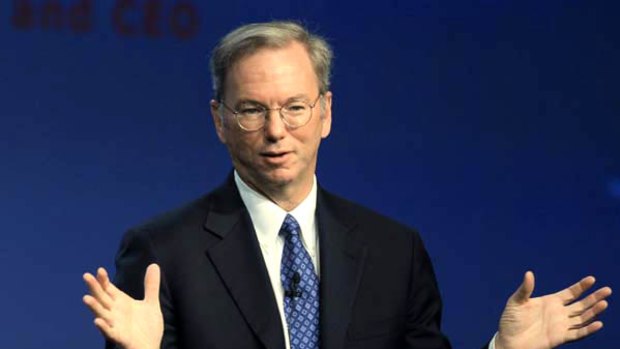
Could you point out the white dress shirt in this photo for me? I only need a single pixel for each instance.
(267, 218)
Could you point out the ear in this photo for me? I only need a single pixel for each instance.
(326, 117)
(218, 120)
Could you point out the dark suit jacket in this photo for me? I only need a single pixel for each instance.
(377, 284)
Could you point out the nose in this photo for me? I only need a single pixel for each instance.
(275, 128)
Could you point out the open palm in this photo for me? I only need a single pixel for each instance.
(551, 320)
(131, 323)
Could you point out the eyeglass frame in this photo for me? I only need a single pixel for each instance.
(266, 113)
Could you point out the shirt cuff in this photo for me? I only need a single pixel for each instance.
(492, 342)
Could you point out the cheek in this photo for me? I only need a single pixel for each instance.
(311, 143)
(243, 148)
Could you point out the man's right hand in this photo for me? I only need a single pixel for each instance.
(131, 323)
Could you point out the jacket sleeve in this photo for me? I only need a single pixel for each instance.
(424, 310)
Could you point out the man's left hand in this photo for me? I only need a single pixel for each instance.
(551, 320)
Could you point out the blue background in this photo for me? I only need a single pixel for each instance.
(491, 126)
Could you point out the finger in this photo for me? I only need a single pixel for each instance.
(579, 307)
(96, 291)
(573, 292)
(95, 306)
(104, 328)
(524, 292)
(106, 284)
(579, 333)
(104, 281)
(590, 314)
(103, 278)
(151, 284)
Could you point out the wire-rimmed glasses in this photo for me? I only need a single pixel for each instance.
(252, 116)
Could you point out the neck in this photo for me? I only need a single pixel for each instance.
(287, 196)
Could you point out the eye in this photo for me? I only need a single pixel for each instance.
(251, 111)
(297, 107)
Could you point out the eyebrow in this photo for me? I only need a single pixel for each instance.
(300, 96)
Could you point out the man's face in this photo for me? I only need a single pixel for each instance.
(274, 156)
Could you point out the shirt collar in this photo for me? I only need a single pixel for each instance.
(267, 217)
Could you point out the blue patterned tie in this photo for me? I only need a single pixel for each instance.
(301, 285)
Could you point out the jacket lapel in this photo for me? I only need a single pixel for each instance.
(342, 261)
(240, 264)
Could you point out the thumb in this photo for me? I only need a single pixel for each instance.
(524, 292)
(151, 284)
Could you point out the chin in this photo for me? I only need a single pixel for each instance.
(278, 177)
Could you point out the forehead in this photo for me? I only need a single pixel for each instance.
(272, 74)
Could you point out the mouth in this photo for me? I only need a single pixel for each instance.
(275, 156)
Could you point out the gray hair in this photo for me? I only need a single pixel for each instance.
(249, 38)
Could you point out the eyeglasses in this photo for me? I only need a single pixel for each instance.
(252, 116)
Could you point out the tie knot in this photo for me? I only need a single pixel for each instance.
(289, 226)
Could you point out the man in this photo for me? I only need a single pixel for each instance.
(272, 260)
